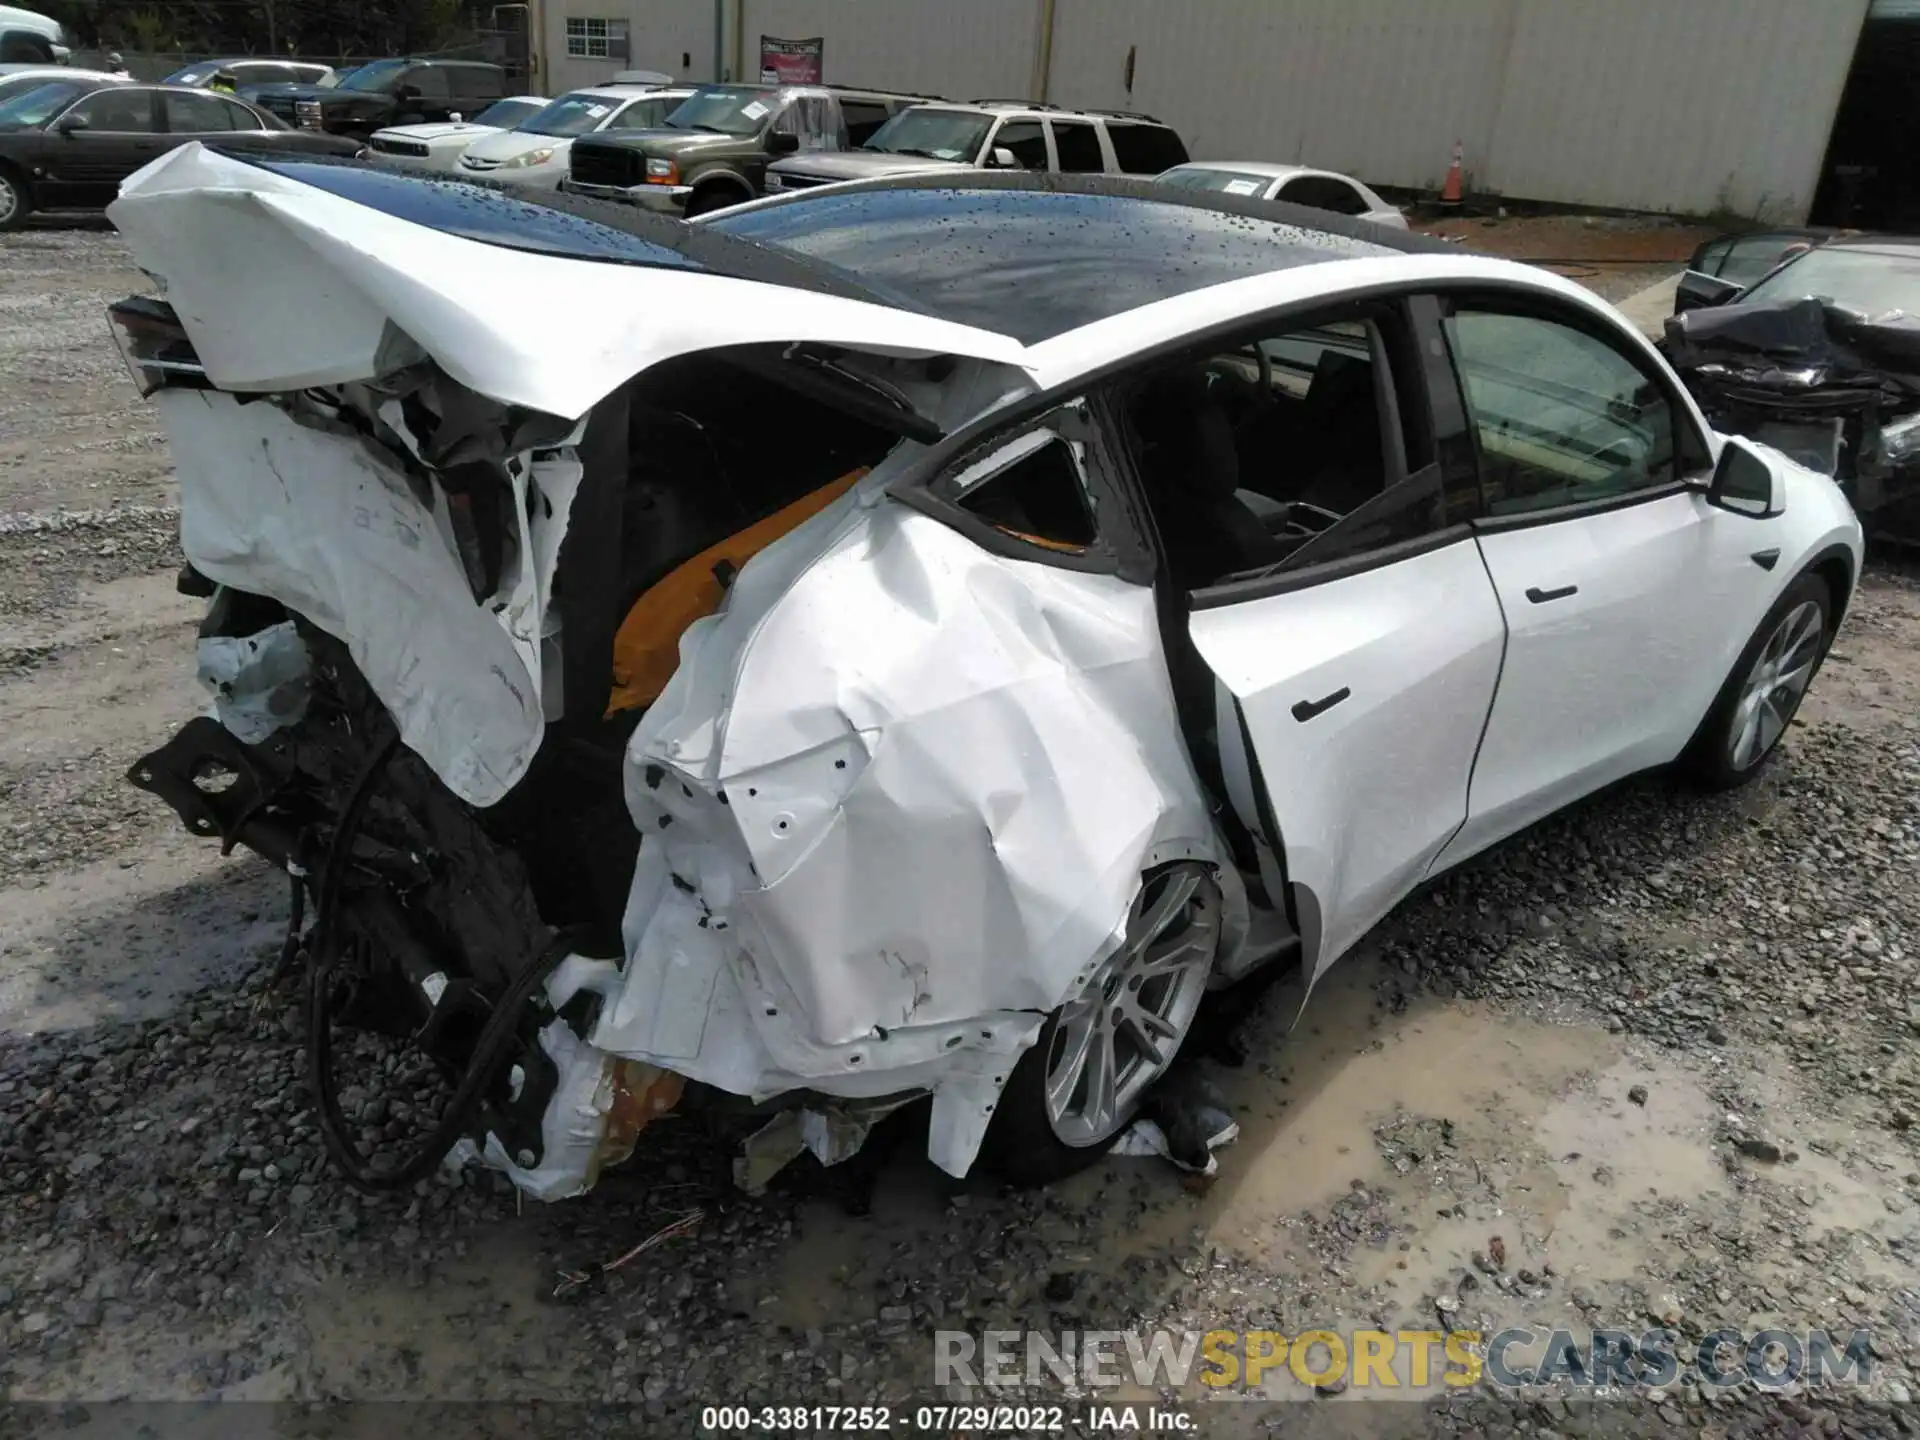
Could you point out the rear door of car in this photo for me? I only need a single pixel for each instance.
(426, 93)
(122, 132)
(1353, 678)
(196, 115)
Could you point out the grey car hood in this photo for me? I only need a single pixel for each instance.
(861, 164)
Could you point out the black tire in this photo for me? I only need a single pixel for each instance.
(16, 201)
(1022, 1144)
(1711, 759)
(705, 202)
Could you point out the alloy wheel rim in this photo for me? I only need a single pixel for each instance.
(1775, 685)
(9, 201)
(1120, 1033)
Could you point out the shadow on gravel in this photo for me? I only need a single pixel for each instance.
(114, 958)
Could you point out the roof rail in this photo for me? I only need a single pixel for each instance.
(1023, 104)
(884, 90)
(1128, 115)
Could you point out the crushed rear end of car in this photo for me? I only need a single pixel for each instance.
(626, 749)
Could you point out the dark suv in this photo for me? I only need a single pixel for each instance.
(387, 92)
(714, 149)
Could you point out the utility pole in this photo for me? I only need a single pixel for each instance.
(273, 30)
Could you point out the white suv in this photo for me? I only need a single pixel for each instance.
(994, 134)
(535, 152)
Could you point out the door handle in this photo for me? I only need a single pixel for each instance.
(1305, 710)
(1541, 597)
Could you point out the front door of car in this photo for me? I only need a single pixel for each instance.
(97, 143)
(1625, 593)
(1347, 630)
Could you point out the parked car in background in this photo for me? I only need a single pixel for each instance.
(714, 149)
(30, 38)
(16, 78)
(993, 134)
(1294, 184)
(253, 71)
(439, 144)
(1006, 605)
(383, 93)
(1721, 269)
(67, 144)
(1820, 357)
(534, 153)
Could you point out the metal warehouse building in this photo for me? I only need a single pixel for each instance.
(1692, 106)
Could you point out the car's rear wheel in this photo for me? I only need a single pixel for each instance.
(1762, 695)
(15, 203)
(1080, 1084)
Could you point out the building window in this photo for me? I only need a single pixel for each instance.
(587, 38)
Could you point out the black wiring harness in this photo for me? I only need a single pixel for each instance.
(491, 1050)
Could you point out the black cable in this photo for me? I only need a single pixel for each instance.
(489, 1051)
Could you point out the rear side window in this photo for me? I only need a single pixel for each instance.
(1323, 192)
(863, 117)
(1025, 140)
(430, 82)
(265, 74)
(642, 115)
(1079, 147)
(1033, 488)
(190, 113)
(1146, 149)
(470, 83)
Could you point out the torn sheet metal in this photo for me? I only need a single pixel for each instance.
(283, 286)
(896, 801)
(259, 682)
(371, 558)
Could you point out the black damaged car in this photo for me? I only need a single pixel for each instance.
(403, 91)
(67, 144)
(1820, 358)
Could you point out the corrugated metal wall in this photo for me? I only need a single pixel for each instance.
(1686, 105)
(963, 49)
(1689, 105)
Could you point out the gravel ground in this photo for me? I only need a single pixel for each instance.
(1652, 1063)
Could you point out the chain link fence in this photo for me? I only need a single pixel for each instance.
(504, 48)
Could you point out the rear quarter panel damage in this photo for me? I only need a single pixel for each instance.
(895, 802)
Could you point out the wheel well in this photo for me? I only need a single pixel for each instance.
(724, 180)
(1837, 571)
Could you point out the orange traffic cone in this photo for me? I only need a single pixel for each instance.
(1450, 193)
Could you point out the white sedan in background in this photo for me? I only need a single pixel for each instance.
(535, 154)
(1296, 184)
(439, 145)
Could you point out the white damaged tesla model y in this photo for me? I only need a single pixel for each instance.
(907, 644)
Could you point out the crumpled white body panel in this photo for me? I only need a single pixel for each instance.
(327, 524)
(282, 286)
(944, 773)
